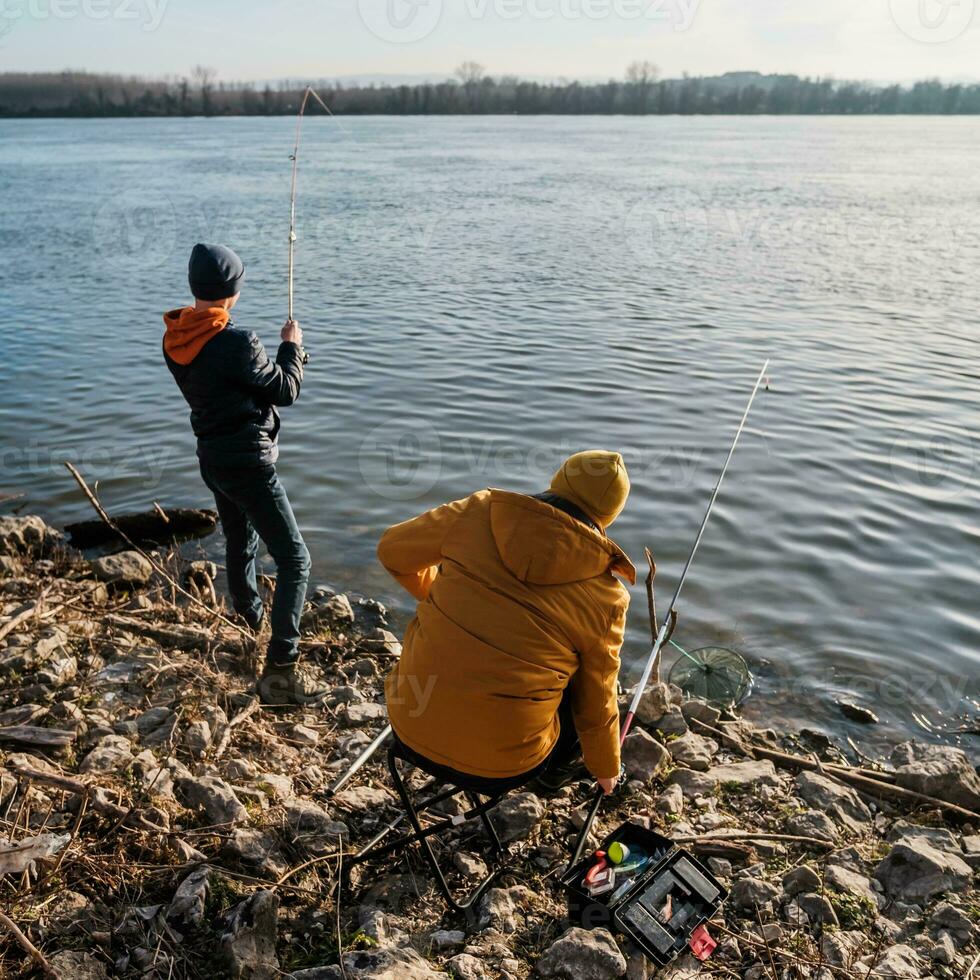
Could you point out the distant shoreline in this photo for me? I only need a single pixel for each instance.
(642, 93)
(507, 115)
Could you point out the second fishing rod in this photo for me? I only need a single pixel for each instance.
(665, 629)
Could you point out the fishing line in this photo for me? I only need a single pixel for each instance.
(310, 91)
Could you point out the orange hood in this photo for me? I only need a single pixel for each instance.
(188, 330)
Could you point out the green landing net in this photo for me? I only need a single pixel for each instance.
(714, 674)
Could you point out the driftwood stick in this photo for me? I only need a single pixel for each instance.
(867, 781)
(157, 567)
(23, 616)
(738, 837)
(652, 612)
(28, 947)
(37, 737)
(242, 715)
(96, 798)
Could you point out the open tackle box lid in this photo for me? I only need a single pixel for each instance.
(660, 907)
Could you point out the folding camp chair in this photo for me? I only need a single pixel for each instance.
(481, 802)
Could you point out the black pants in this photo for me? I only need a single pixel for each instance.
(564, 751)
(252, 504)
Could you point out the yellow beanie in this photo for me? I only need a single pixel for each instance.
(596, 481)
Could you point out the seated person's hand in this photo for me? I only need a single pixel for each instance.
(608, 785)
(291, 332)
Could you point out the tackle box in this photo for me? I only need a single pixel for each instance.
(664, 903)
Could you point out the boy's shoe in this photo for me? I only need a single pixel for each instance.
(254, 623)
(290, 684)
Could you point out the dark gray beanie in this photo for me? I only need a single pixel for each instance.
(215, 272)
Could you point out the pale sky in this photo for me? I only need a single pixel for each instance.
(886, 40)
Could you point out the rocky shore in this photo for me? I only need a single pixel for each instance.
(156, 823)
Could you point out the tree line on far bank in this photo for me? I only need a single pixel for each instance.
(472, 91)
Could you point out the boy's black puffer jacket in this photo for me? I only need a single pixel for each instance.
(233, 389)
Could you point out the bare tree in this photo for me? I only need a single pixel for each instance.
(642, 73)
(470, 72)
(641, 76)
(205, 77)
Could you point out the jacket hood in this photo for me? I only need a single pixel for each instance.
(189, 329)
(543, 546)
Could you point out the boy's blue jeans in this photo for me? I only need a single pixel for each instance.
(252, 504)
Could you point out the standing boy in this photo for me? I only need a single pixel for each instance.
(233, 390)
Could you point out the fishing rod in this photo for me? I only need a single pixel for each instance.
(665, 629)
(310, 91)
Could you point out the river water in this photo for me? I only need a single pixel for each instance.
(483, 295)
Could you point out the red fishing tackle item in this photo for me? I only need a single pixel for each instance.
(702, 945)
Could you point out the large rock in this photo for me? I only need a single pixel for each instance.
(112, 754)
(127, 568)
(752, 893)
(841, 803)
(697, 710)
(212, 795)
(736, 777)
(390, 963)
(517, 816)
(693, 751)
(898, 962)
(77, 965)
(915, 871)
(186, 909)
(465, 966)
(937, 770)
(654, 704)
(672, 723)
(25, 535)
(257, 850)
(500, 907)
(843, 880)
(312, 829)
(583, 954)
(643, 755)
(812, 823)
(332, 611)
(248, 938)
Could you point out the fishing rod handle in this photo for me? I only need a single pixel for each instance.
(586, 828)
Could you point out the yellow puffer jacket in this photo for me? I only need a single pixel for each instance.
(517, 601)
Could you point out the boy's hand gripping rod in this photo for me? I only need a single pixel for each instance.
(665, 628)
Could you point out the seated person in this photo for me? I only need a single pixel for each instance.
(511, 661)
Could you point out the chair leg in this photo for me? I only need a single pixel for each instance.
(423, 842)
(491, 830)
